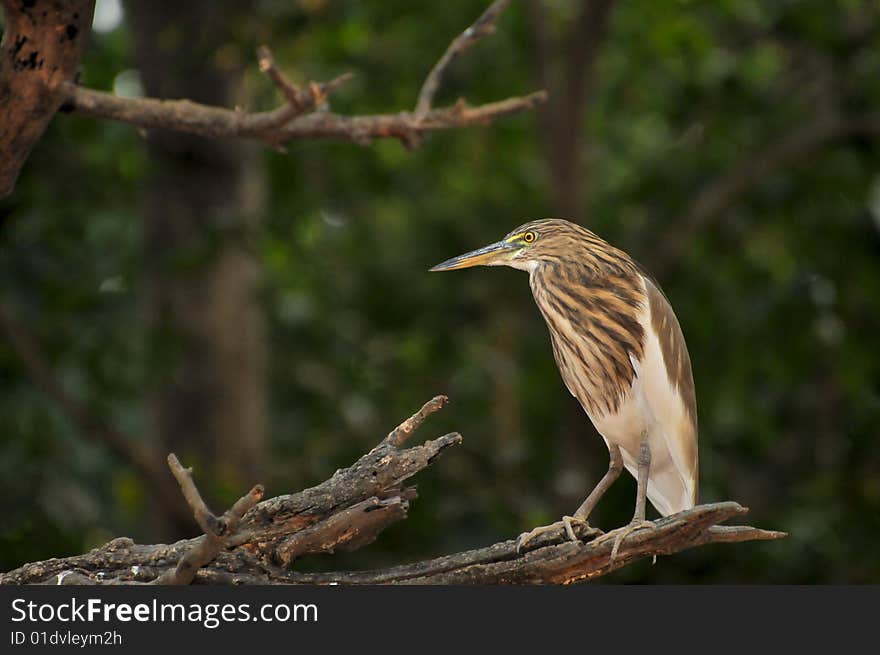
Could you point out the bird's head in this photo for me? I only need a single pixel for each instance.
(526, 246)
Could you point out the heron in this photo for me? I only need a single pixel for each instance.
(621, 353)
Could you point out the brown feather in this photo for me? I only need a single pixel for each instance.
(672, 345)
(590, 294)
(676, 359)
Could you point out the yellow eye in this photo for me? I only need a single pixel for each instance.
(529, 237)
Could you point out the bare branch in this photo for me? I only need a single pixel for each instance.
(729, 534)
(398, 436)
(288, 89)
(216, 530)
(483, 26)
(30, 95)
(345, 512)
(348, 511)
(201, 513)
(205, 120)
(298, 101)
(296, 119)
(550, 559)
(379, 473)
(553, 559)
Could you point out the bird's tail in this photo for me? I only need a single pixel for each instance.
(669, 492)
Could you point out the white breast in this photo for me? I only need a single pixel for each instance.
(654, 406)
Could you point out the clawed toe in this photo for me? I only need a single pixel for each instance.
(523, 539)
(565, 526)
(633, 526)
(526, 537)
(566, 522)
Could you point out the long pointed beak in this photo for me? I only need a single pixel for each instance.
(491, 255)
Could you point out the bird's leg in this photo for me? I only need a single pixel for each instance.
(615, 466)
(644, 467)
(583, 512)
(638, 519)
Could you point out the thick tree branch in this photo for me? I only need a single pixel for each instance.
(380, 473)
(41, 48)
(348, 511)
(552, 559)
(349, 529)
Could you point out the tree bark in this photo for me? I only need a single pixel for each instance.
(42, 45)
(257, 543)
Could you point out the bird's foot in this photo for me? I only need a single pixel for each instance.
(634, 526)
(566, 527)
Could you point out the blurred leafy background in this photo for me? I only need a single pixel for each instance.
(270, 317)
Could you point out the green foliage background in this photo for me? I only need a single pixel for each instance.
(778, 295)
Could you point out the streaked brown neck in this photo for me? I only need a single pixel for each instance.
(591, 298)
